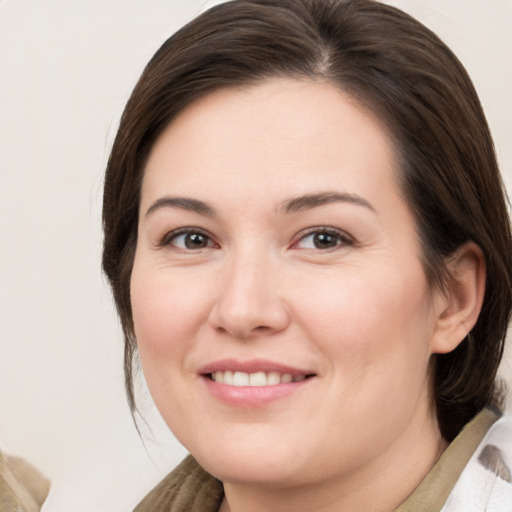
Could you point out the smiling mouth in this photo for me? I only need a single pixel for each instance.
(257, 379)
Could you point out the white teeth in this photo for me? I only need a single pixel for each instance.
(240, 379)
(273, 378)
(257, 379)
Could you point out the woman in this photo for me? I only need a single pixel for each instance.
(308, 244)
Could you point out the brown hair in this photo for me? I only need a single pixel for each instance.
(391, 64)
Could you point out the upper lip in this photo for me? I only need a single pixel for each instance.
(252, 366)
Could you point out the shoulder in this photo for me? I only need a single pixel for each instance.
(22, 486)
(473, 474)
(187, 488)
(486, 481)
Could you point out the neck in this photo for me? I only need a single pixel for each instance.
(379, 485)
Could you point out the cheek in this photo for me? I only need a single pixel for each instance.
(375, 335)
(167, 314)
(166, 310)
(363, 320)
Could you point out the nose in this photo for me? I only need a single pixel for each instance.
(248, 303)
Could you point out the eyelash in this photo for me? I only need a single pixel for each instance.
(342, 239)
(173, 235)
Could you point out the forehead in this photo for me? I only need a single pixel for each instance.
(281, 133)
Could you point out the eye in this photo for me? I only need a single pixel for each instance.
(323, 238)
(187, 240)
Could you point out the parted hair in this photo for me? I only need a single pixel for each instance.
(395, 67)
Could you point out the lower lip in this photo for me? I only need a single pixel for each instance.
(252, 396)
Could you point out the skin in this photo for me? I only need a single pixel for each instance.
(359, 314)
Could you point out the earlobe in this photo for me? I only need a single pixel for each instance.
(459, 305)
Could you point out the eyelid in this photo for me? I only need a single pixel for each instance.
(345, 238)
(169, 236)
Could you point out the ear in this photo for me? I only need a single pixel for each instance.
(458, 306)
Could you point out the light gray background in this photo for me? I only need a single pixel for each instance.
(66, 70)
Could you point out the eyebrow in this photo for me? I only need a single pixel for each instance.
(183, 203)
(309, 201)
(293, 205)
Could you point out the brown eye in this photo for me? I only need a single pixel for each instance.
(196, 241)
(324, 239)
(190, 240)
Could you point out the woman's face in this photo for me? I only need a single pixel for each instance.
(283, 317)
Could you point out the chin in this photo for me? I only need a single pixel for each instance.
(270, 473)
(269, 463)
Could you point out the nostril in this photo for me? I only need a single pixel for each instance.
(262, 328)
